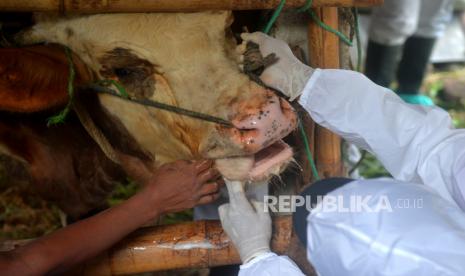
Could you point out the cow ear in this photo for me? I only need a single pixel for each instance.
(35, 78)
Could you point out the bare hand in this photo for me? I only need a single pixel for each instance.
(183, 184)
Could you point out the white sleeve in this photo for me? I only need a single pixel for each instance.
(402, 229)
(270, 264)
(414, 143)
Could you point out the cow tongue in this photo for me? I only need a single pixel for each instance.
(260, 166)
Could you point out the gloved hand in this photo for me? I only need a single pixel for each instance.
(247, 225)
(288, 75)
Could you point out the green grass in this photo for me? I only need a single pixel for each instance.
(23, 214)
(122, 192)
(372, 168)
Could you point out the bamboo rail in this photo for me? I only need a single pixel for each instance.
(99, 6)
(324, 53)
(199, 244)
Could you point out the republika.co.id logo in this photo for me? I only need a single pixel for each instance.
(339, 203)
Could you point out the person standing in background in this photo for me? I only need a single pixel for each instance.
(401, 39)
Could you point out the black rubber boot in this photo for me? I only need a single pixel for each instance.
(381, 62)
(412, 66)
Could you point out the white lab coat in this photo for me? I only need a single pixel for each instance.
(394, 21)
(417, 145)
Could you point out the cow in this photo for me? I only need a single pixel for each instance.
(186, 60)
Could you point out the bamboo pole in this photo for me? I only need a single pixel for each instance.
(99, 6)
(324, 53)
(198, 244)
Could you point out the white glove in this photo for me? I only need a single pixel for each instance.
(288, 75)
(248, 226)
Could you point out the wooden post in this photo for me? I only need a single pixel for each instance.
(99, 6)
(324, 53)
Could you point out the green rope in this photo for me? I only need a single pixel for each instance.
(320, 23)
(326, 27)
(60, 117)
(119, 87)
(308, 151)
(305, 7)
(275, 16)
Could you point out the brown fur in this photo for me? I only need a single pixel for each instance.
(65, 165)
(35, 78)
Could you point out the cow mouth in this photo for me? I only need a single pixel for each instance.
(260, 166)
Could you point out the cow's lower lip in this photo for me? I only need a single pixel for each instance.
(270, 159)
(258, 167)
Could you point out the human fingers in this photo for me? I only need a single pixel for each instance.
(208, 199)
(222, 211)
(220, 182)
(276, 78)
(207, 175)
(257, 37)
(209, 188)
(237, 196)
(202, 165)
(259, 207)
(240, 50)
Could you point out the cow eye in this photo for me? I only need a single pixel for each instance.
(122, 72)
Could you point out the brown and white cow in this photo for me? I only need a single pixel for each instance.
(187, 60)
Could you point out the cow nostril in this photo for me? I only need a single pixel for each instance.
(248, 136)
(263, 124)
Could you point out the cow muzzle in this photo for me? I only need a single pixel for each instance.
(258, 131)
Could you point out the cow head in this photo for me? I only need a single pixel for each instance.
(186, 60)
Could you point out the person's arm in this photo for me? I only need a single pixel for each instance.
(249, 228)
(414, 143)
(270, 264)
(400, 229)
(174, 187)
